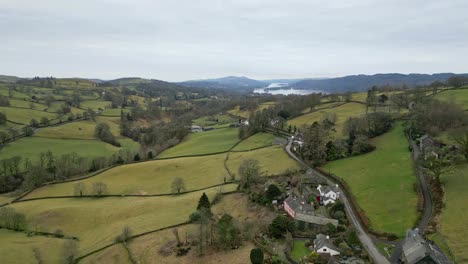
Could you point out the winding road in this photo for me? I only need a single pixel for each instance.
(366, 240)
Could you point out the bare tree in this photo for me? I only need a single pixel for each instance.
(178, 185)
(249, 170)
(79, 189)
(99, 188)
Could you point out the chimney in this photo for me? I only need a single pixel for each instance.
(328, 237)
(336, 185)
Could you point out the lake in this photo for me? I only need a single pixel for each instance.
(285, 90)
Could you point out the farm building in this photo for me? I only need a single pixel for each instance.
(323, 245)
(301, 210)
(418, 250)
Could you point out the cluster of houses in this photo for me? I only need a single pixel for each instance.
(300, 207)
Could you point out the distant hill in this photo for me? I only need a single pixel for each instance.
(7, 78)
(230, 82)
(359, 83)
(128, 81)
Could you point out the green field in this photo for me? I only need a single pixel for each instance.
(256, 141)
(272, 160)
(217, 140)
(95, 104)
(18, 248)
(151, 177)
(117, 254)
(98, 221)
(77, 130)
(24, 116)
(114, 111)
(56, 106)
(299, 250)
(31, 147)
(453, 221)
(458, 96)
(26, 104)
(210, 121)
(342, 114)
(382, 182)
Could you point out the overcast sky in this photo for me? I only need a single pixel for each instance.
(178, 40)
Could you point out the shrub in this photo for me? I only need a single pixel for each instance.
(256, 256)
(280, 225)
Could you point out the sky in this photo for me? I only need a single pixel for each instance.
(176, 40)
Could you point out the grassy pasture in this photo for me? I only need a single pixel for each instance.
(457, 96)
(97, 221)
(24, 116)
(453, 221)
(272, 160)
(382, 182)
(31, 147)
(18, 248)
(78, 130)
(57, 105)
(145, 248)
(342, 113)
(95, 104)
(151, 177)
(26, 104)
(114, 111)
(116, 254)
(210, 121)
(204, 143)
(256, 141)
(245, 113)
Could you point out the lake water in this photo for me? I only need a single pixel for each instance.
(284, 91)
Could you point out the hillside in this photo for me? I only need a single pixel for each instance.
(359, 83)
(230, 82)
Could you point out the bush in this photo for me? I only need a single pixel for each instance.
(331, 228)
(59, 233)
(280, 225)
(256, 256)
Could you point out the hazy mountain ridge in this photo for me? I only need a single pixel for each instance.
(229, 82)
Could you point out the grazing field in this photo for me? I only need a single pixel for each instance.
(26, 104)
(382, 182)
(31, 147)
(256, 141)
(299, 250)
(77, 130)
(272, 160)
(453, 221)
(322, 106)
(95, 104)
(146, 248)
(24, 116)
(459, 96)
(97, 221)
(245, 113)
(151, 177)
(342, 114)
(217, 140)
(56, 106)
(17, 247)
(114, 111)
(5, 198)
(116, 254)
(210, 121)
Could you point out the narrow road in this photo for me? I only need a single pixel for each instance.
(427, 211)
(366, 240)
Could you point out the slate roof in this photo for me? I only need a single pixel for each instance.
(416, 249)
(300, 205)
(322, 241)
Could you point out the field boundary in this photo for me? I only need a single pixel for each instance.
(122, 195)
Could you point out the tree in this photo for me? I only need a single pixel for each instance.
(204, 202)
(249, 171)
(28, 131)
(99, 188)
(461, 138)
(70, 251)
(256, 256)
(314, 148)
(44, 121)
(280, 226)
(125, 236)
(178, 185)
(438, 162)
(34, 123)
(379, 123)
(3, 118)
(456, 81)
(272, 192)
(228, 233)
(79, 189)
(102, 132)
(136, 157)
(4, 137)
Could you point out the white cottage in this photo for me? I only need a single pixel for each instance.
(323, 245)
(328, 194)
